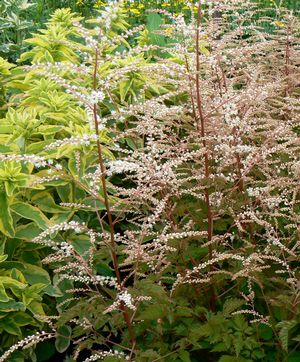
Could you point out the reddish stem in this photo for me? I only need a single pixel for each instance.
(108, 211)
(201, 128)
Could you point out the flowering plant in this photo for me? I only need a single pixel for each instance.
(161, 188)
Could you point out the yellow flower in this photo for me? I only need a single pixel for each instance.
(135, 11)
(279, 23)
(169, 31)
(98, 4)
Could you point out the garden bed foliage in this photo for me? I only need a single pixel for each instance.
(149, 187)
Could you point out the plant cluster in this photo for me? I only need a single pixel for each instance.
(149, 184)
(19, 18)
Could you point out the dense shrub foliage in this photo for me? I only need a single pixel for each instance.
(19, 18)
(149, 187)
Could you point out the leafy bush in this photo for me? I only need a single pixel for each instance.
(149, 183)
(19, 18)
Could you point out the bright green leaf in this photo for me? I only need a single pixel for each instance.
(6, 221)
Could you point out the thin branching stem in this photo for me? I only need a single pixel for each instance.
(108, 211)
(200, 124)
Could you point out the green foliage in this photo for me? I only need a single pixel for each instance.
(6, 221)
(15, 24)
(19, 18)
(63, 339)
(44, 115)
(20, 300)
(5, 72)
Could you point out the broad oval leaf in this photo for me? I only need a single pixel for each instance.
(30, 212)
(63, 338)
(6, 220)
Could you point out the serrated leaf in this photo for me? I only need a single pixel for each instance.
(232, 304)
(228, 358)
(153, 312)
(220, 347)
(154, 22)
(284, 329)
